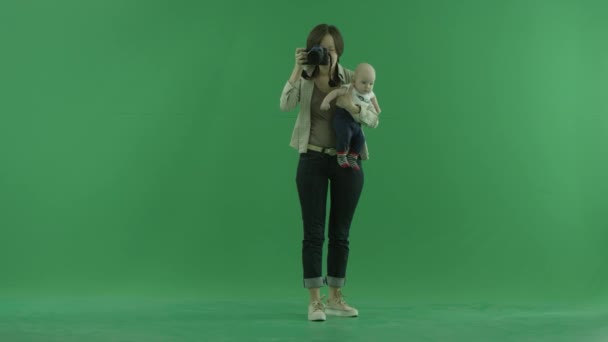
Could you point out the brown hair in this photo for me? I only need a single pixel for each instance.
(314, 38)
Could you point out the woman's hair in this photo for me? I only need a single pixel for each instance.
(314, 38)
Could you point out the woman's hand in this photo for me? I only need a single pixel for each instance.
(346, 101)
(301, 57)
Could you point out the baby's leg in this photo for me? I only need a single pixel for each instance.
(343, 136)
(356, 145)
(357, 140)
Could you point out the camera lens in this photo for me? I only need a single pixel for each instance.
(314, 57)
(318, 55)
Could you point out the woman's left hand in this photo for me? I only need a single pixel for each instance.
(346, 101)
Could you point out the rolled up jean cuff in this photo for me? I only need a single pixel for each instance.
(313, 282)
(335, 282)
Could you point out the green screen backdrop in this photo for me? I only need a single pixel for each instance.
(142, 149)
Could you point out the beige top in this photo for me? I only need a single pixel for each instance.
(301, 92)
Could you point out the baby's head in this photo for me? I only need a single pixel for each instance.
(364, 78)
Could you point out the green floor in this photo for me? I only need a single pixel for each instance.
(97, 319)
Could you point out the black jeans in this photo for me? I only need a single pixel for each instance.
(318, 172)
(349, 135)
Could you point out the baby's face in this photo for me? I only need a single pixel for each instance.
(364, 81)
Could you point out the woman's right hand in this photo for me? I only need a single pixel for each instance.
(301, 57)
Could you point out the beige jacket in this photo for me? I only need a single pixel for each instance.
(301, 92)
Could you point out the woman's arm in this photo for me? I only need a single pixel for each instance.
(291, 91)
(290, 96)
(366, 114)
(332, 95)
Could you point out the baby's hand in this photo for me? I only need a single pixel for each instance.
(325, 105)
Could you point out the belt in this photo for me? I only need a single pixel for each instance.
(330, 151)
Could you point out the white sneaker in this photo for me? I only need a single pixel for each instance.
(316, 311)
(338, 307)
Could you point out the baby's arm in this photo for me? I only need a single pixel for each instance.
(332, 96)
(374, 101)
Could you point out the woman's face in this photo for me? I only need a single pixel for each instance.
(328, 43)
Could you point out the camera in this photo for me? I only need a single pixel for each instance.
(317, 55)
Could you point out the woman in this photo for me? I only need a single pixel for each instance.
(318, 169)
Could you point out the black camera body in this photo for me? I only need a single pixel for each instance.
(317, 55)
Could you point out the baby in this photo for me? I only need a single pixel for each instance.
(349, 136)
